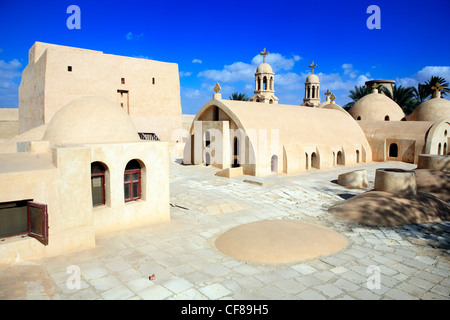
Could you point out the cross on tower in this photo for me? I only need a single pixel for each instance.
(264, 53)
(333, 97)
(217, 88)
(312, 66)
(327, 93)
(437, 90)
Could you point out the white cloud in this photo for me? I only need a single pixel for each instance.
(9, 90)
(237, 71)
(142, 57)
(131, 36)
(197, 61)
(426, 73)
(185, 73)
(277, 61)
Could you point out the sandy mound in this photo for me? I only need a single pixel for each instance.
(279, 241)
(377, 208)
(435, 182)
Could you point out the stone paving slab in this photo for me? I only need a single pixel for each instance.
(413, 261)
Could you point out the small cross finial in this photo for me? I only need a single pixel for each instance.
(327, 93)
(333, 97)
(264, 53)
(437, 90)
(217, 88)
(375, 87)
(312, 66)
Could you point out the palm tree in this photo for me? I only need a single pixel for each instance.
(403, 96)
(421, 93)
(442, 82)
(357, 94)
(239, 96)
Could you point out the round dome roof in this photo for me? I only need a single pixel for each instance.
(90, 120)
(376, 106)
(312, 78)
(264, 68)
(431, 110)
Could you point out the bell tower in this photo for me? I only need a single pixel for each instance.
(312, 89)
(264, 82)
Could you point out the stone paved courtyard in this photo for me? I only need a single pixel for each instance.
(413, 260)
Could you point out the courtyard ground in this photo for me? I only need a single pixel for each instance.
(412, 260)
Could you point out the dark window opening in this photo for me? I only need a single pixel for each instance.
(132, 181)
(207, 159)
(122, 80)
(236, 152)
(69, 68)
(393, 150)
(153, 81)
(359, 118)
(386, 118)
(216, 114)
(24, 217)
(98, 184)
(148, 136)
(207, 139)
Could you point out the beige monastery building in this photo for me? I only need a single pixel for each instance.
(263, 137)
(149, 91)
(82, 164)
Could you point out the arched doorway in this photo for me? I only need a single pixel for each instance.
(315, 161)
(235, 152)
(393, 150)
(274, 163)
(340, 158)
(357, 156)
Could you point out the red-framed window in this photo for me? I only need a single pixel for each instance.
(37, 220)
(132, 181)
(98, 184)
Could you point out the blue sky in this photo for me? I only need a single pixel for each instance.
(219, 41)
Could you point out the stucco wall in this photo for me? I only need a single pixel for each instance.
(153, 87)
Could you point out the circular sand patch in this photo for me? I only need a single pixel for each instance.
(279, 241)
(380, 208)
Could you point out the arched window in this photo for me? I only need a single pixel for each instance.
(207, 139)
(439, 149)
(357, 156)
(334, 158)
(386, 118)
(445, 149)
(307, 161)
(313, 92)
(393, 150)
(359, 118)
(98, 171)
(315, 161)
(271, 83)
(271, 101)
(132, 181)
(274, 163)
(265, 83)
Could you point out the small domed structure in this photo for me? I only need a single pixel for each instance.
(90, 120)
(264, 68)
(431, 110)
(312, 78)
(376, 106)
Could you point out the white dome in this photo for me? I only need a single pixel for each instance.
(264, 68)
(90, 120)
(312, 78)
